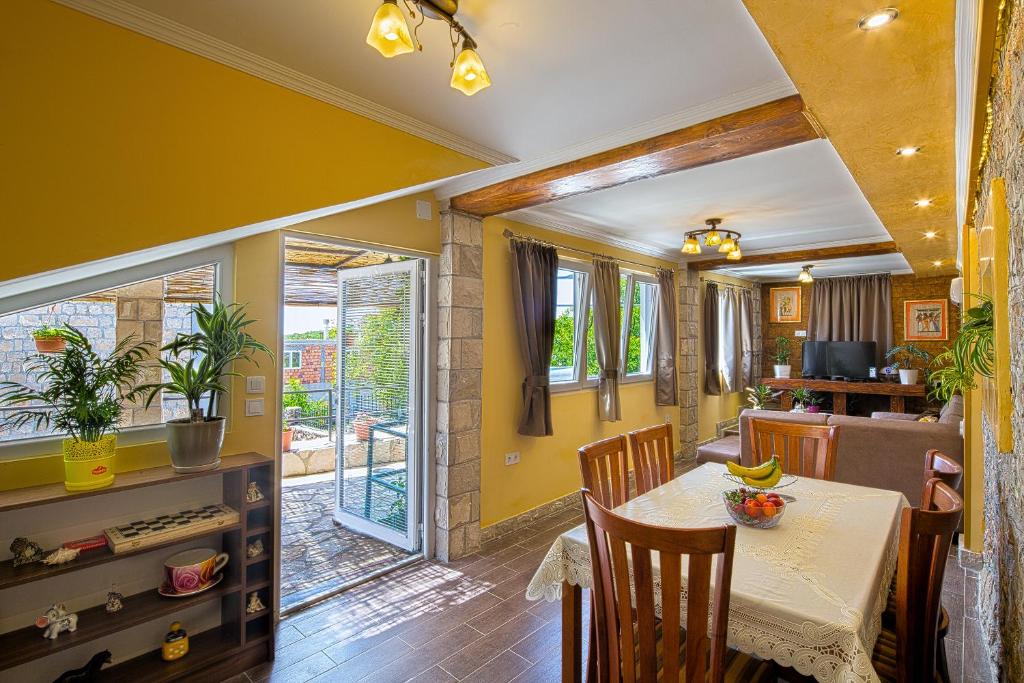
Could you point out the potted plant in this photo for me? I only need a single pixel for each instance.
(286, 436)
(362, 425)
(196, 365)
(971, 353)
(782, 353)
(760, 396)
(81, 395)
(49, 339)
(902, 358)
(803, 399)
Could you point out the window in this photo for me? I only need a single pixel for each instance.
(574, 340)
(292, 360)
(151, 302)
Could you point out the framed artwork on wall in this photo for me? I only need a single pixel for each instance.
(785, 303)
(925, 320)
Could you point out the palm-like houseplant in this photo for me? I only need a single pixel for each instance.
(805, 400)
(903, 357)
(782, 354)
(81, 394)
(972, 352)
(196, 365)
(761, 395)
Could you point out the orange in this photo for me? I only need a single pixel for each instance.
(768, 510)
(753, 509)
(761, 498)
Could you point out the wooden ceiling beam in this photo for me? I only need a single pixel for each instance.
(767, 126)
(810, 256)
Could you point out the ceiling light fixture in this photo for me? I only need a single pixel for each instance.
(921, 203)
(389, 35)
(713, 237)
(907, 151)
(930, 235)
(805, 274)
(882, 17)
(937, 263)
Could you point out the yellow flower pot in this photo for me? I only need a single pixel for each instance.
(89, 465)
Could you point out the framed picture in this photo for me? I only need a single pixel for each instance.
(925, 320)
(785, 305)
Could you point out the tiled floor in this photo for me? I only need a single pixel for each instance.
(470, 621)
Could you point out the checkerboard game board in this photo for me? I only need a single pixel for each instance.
(163, 528)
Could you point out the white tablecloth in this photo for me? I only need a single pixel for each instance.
(808, 594)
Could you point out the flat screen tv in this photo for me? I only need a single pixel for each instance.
(814, 359)
(849, 360)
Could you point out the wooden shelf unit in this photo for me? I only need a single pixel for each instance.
(240, 642)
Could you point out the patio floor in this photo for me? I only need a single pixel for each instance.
(318, 555)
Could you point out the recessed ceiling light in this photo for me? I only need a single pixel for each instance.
(921, 203)
(907, 151)
(930, 235)
(882, 17)
(937, 263)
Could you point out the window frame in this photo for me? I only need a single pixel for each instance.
(284, 359)
(25, 298)
(632, 279)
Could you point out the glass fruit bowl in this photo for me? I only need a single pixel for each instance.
(755, 508)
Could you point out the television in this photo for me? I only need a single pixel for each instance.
(814, 359)
(849, 360)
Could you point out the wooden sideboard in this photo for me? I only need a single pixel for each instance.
(897, 393)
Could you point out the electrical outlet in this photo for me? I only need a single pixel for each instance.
(512, 458)
(253, 407)
(668, 417)
(255, 385)
(800, 333)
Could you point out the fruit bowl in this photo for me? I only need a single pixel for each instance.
(754, 508)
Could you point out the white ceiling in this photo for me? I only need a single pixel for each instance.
(787, 272)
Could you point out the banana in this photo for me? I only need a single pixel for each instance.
(764, 482)
(759, 472)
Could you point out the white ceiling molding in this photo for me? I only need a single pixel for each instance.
(664, 124)
(594, 233)
(154, 26)
(968, 19)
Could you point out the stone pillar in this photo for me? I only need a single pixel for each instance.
(687, 281)
(758, 358)
(140, 313)
(459, 385)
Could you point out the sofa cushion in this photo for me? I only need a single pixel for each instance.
(953, 411)
(726, 449)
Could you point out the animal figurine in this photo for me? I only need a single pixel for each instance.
(254, 549)
(175, 645)
(255, 604)
(56, 620)
(253, 493)
(25, 551)
(115, 601)
(61, 556)
(89, 672)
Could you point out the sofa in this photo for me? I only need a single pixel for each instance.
(879, 451)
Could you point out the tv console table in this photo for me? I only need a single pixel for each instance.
(897, 393)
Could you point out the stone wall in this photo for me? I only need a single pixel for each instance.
(687, 282)
(1001, 584)
(140, 316)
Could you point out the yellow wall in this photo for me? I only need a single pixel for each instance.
(114, 142)
(713, 409)
(974, 446)
(548, 468)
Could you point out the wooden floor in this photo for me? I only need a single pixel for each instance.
(470, 621)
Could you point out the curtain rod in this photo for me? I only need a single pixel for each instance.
(508, 234)
(729, 284)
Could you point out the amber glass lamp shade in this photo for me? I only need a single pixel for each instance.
(735, 254)
(389, 32)
(469, 75)
(713, 238)
(727, 245)
(691, 245)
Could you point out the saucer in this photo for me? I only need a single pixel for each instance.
(168, 592)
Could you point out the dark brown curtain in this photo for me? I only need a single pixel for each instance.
(712, 385)
(665, 381)
(607, 337)
(852, 309)
(534, 277)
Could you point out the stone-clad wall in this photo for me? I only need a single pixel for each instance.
(1001, 589)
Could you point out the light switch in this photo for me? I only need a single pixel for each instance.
(800, 333)
(255, 385)
(253, 407)
(423, 210)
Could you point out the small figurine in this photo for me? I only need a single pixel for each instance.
(25, 551)
(56, 620)
(115, 601)
(61, 556)
(89, 672)
(255, 604)
(175, 645)
(253, 494)
(254, 549)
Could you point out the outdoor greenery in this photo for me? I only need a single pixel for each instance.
(903, 356)
(563, 351)
(295, 396)
(82, 394)
(377, 356)
(332, 333)
(782, 350)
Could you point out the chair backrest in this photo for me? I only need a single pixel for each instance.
(627, 639)
(804, 450)
(653, 459)
(925, 536)
(604, 466)
(938, 465)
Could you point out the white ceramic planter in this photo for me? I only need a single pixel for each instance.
(908, 376)
(782, 371)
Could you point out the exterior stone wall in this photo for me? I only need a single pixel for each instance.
(140, 315)
(1001, 583)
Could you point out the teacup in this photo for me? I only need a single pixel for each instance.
(192, 570)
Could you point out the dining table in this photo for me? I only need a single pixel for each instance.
(808, 593)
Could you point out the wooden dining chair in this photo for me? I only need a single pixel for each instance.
(938, 465)
(804, 450)
(632, 644)
(653, 459)
(604, 466)
(910, 647)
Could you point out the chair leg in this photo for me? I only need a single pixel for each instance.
(941, 664)
(591, 675)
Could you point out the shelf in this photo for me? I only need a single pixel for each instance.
(251, 586)
(154, 476)
(256, 560)
(27, 644)
(257, 506)
(204, 649)
(257, 530)
(27, 573)
(257, 615)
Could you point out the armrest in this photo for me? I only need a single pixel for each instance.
(895, 416)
